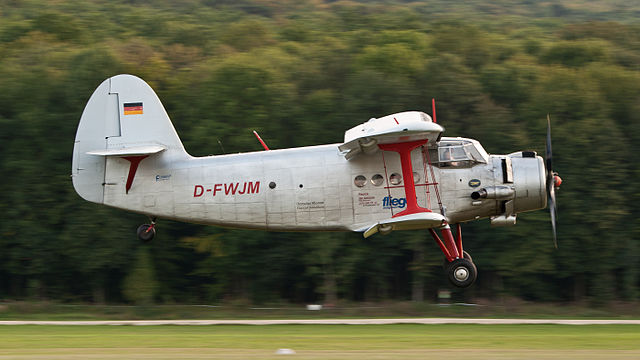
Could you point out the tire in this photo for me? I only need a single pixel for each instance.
(462, 273)
(145, 234)
(466, 255)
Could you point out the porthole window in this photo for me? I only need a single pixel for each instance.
(377, 179)
(360, 180)
(416, 177)
(395, 179)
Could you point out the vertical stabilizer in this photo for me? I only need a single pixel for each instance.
(143, 119)
(123, 116)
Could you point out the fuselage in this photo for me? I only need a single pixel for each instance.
(128, 155)
(316, 189)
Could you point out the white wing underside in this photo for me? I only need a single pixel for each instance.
(422, 220)
(390, 129)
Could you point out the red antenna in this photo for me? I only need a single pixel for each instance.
(433, 109)
(260, 139)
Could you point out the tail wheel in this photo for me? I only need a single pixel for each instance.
(462, 272)
(146, 232)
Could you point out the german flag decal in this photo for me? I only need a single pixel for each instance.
(133, 108)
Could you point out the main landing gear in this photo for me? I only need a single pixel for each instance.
(146, 232)
(461, 270)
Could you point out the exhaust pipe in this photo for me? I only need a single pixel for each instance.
(494, 192)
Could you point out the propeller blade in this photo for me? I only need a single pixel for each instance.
(547, 154)
(551, 189)
(552, 211)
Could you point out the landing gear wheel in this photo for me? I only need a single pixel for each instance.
(462, 272)
(466, 255)
(146, 232)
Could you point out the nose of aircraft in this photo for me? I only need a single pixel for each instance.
(529, 181)
(557, 180)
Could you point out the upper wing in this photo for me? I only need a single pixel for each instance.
(395, 128)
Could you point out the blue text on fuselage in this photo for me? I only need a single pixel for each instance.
(389, 202)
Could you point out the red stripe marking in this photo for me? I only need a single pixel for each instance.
(261, 142)
(135, 161)
(433, 108)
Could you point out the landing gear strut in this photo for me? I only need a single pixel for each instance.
(146, 232)
(461, 270)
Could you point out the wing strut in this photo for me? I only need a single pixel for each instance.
(386, 179)
(404, 149)
(426, 156)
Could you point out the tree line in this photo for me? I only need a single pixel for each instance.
(301, 73)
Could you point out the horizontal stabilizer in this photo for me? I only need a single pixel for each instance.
(129, 151)
(421, 220)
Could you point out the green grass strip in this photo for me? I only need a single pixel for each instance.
(324, 337)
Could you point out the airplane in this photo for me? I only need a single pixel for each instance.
(392, 173)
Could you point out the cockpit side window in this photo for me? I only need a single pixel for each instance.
(452, 156)
(452, 153)
(459, 153)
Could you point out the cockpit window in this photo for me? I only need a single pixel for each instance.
(453, 153)
(460, 152)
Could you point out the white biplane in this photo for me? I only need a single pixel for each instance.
(391, 173)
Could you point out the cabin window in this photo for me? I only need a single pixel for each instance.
(395, 179)
(377, 179)
(360, 180)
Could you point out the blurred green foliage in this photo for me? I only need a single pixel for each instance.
(301, 73)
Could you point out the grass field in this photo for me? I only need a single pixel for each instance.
(321, 342)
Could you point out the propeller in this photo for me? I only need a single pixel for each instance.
(553, 182)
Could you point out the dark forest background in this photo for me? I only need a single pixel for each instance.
(301, 72)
